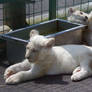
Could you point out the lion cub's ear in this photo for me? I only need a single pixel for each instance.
(50, 42)
(70, 11)
(33, 33)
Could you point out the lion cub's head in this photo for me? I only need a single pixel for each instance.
(38, 46)
(77, 16)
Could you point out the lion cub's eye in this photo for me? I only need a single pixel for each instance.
(81, 13)
(27, 47)
(34, 50)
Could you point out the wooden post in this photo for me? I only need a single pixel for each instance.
(15, 14)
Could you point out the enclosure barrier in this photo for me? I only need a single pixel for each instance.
(63, 31)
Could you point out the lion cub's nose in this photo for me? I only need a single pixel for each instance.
(26, 56)
(86, 17)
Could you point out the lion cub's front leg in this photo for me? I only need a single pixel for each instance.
(21, 76)
(25, 65)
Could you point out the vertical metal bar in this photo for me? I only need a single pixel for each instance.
(57, 8)
(81, 5)
(33, 13)
(52, 9)
(41, 11)
(88, 7)
(73, 2)
(3, 18)
(65, 7)
(29, 13)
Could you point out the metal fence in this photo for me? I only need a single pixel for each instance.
(63, 6)
(21, 13)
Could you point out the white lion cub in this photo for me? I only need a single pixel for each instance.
(42, 58)
(77, 16)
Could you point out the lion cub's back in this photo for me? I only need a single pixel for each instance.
(72, 50)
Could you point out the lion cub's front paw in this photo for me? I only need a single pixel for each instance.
(12, 80)
(8, 73)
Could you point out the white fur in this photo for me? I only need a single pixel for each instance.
(76, 17)
(45, 59)
(90, 26)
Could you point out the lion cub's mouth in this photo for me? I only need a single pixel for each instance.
(30, 60)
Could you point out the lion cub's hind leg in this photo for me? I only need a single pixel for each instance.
(79, 75)
(81, 72)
